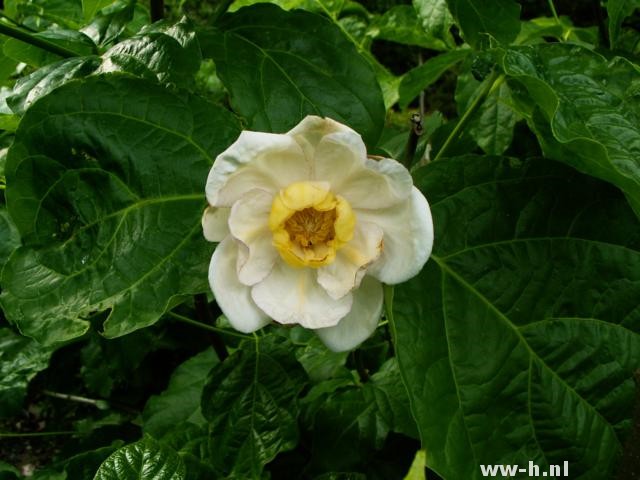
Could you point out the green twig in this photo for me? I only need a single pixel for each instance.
(223, 6)
(39, 42)
(205, 317)
(490, 85)
(553, 11)
(388, 313)
(211, 328)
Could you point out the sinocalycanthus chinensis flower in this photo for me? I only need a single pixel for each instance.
(309, 227)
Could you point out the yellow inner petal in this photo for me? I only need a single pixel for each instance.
(310, 224)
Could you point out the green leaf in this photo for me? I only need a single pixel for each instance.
(143, 460)
(281, 66)
(319, 362)
(20, 359)
(91, 7)
(9, 237)
(37, 57)
(584, 109)
(401, 25)
(111, 22)
(498, 18)
(250, 403)
(179, 404)
(43, 80)
(618, 10)
(518, 340)
(105, 185)
(493, 128)
(421, 77)
(168, 53)
(436, 18)
(417, 471)
(191, 442)
(85, 464)
(356, 420)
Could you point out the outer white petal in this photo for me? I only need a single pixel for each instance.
(292, 295)
(233, 297)
(382, 183)
(214, 223)
(408, 238)
(249, 223)
(361, 321)
(346, 272)
(267, 161)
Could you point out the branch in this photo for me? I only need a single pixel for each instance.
(39, 42)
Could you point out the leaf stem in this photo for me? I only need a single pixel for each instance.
(39, 42)
(553, 11)
(223, 6)
(490, 85)
(100, 404)
(36, 434)
(205, 317)
(388, 313)
(204, 326)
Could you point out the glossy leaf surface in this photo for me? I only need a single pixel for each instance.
(281, 66)
(250, 403)
(530, 329)
(143, 460)
(585, 110)
(105, 185)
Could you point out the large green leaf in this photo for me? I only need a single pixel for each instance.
(143, 460)
(162, 51)
(281, 66)
(250, 403)
(584, 109)
(498, 18)
(518, 340)
(180, 402)
(105, 184)
(20, 359)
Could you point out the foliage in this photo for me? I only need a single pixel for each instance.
(517, 342)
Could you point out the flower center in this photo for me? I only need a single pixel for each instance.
(310, 224)
(310, 227)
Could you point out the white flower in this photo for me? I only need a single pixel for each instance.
(309, 227)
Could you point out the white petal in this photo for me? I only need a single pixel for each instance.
(380, 184)
(339, 156)
(267, 161)
(292, 295)
(312, 129)
(408, 238)
(233, 297)
(249, 223)
(214, 223)
(346, 272)
(361, 321)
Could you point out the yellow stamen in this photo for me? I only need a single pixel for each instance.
(310, 224)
